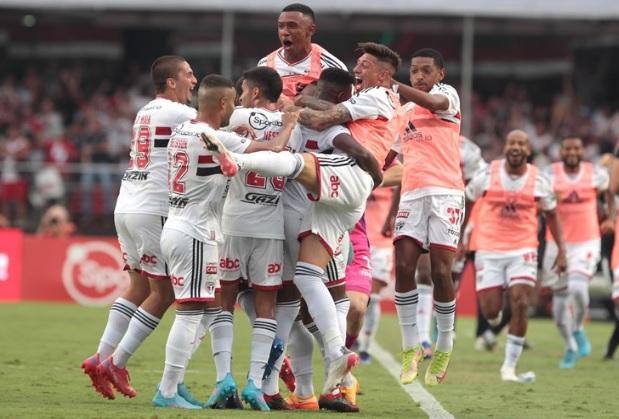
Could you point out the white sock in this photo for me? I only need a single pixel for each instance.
(118, 320)
(246, 300)
(140, 327)
(445, 320)
(178, 349)
(370, 323)
(579, 291)
(341, 307)
(424, 312)
(313, 329)
(262, 336)
(406, 306)
(300, 351)
(222, 334)
(285, 315)
(208, 316)
(269, 163)
(308, 280)
(513, 349)
(563, 318)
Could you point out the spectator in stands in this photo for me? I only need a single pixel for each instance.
(14, 148)
(56, 223)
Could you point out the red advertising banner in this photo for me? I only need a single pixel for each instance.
(86, 270)
(11, 241)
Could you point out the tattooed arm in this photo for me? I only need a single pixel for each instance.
(313, 103)
(320, 120)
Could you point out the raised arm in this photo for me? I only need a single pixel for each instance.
(312, 102)
(320, 120)
(361, 155)
(432, 102)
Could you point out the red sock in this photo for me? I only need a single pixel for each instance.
(350, 340)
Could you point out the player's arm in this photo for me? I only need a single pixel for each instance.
(432, 102)
(389, 223)
(608, 225)
(311, 102)
(554, 225)
(361, 155)
(393, 175)
(613, 186)
(320, 120)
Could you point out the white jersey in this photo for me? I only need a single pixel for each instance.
(301, 68)
(471, 160)
(253, 207)
(144, 185)
(543, 190)
(195, 183)
(302, 140)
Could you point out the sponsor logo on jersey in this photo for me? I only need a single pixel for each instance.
(92, 273)
(135, 175)
(177, 201)
(148, 259)
(334, 186)
(403, 214)
(261, 198)
(227, 263)
(259, 121)
(274, 268)
(211, 269)
(178, 281)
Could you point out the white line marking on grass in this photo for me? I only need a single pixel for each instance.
(424, 399)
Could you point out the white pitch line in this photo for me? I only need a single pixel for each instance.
(426, 401)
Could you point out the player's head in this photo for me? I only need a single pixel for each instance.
(173, 77)
(517, 148)
(427, 69)
(216, 95)
(295, 27)
(376, 65)
(572, 151)
(334, 85)
(260, 83)
(238, 87)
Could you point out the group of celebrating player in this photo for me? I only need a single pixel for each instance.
(258, 198)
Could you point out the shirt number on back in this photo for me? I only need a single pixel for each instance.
(180, 165)
(140, 146)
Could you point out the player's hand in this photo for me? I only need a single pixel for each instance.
(387, 230)
(245, 131)
(560, 264)
(607, 226)
(290, 118)
(461, 251)
(284, 103)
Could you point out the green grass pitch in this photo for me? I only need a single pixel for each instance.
(43, 345)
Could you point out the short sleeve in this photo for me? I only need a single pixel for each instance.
(239, 117)
(233, 142)
(186, 113)
(327, 136)
(600, 178)
(372, 103)
(545, 194)
(478, 185)
(453, 111)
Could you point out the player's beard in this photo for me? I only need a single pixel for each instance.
(571, 162)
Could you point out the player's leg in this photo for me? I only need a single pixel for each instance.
(411, 229)
(561, 312)
(423, 278)
(194, 273)
(147, 231)
(121, 311)
(522, 273)
(578, 287)
(371, 321)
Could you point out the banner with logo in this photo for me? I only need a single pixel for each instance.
(86, 270)
(11, 246)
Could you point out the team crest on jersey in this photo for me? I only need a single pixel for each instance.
(259, 121)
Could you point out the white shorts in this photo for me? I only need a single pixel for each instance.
(139, 236)
(259, 261)
(431, 221)
(382, 263)
(494, 270)
(192, 264)
(615, 294)
(335, 272)
(582, 258)
(344, 189)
